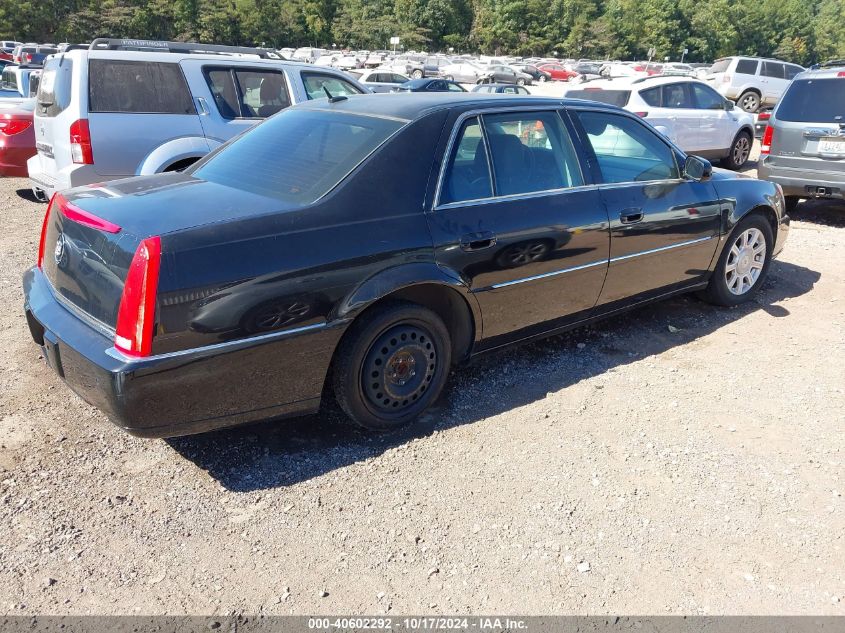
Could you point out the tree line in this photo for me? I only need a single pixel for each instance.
(801, 31)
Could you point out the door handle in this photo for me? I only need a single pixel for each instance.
(202, 106)
(478, 241)
(631, 216)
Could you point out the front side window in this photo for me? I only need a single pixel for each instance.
(531, 153)
(297, 156)
(454, 88)
(138, 87)
(626, 150)
(706, 98)
(746, 67)
(468, 172)
(316, 85)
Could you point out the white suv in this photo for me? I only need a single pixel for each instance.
(689, 112)
(751, 81)
(118, 110)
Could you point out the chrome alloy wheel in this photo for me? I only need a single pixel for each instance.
(745, 262)
(741, 150)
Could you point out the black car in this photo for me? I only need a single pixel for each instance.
(363, 246)
(537, 75)
(430, 85)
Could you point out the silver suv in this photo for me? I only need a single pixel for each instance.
(135, 107)
(751, 81)
(803, 147)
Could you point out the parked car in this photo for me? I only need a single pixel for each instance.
(17, 82)
(689, 112)
(429, 85)
(379, 318)
(17, 138)
(308, 54)
(621, 69)
(803, 147)
(409, 65)
(7, 48)
(379, 80)
(752, 81)
(505, 89)
(504, 75)
(464, 72)
(558, 72)
(537, 75)
(33, 54)
(107, 113)
(434, 64)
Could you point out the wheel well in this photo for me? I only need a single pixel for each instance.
(769, 214)
(754, 90)
(448, 304)
(179, 165)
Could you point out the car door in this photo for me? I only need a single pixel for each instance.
(717, 125)
(664, 228)
(773, 79)
(516, 220)
(678, 103)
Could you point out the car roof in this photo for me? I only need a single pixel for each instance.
(151, 56)
(831, 72)
(412, 106)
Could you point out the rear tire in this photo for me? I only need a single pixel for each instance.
(739, 152)
(417, 74)
(749, 101)
(391, 365)
(542, 79)
(743, 264)
(520, 82)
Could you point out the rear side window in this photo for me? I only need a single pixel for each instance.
(746, 67)
(814, 101)
(613, 97)
(652, 96)
(54, 87)
(626, 150)
(297, 156)
(792, 71)
(773, 69)
(468, 173)
(247, 93)
(9, 80)
(316, 85)
(137, 87)
(677, 96)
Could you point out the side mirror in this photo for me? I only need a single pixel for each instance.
(729, 105)
(697, 168)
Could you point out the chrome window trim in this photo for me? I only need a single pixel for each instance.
(281, 334)
(612, 260)
(515, 196)
(554, 105)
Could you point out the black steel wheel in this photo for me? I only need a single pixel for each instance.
(391, 365)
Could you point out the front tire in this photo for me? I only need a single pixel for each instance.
(542, 79)
(749, 101)
(520, 82)
(391, 365)
(417, 74)
(743, 264)
(739, 152)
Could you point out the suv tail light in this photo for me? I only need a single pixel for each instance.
(764, 116)
(642, 115)
(726, 79)
(766, 143)
(44, 226)
(136, 315)
(28, 58)
(14, 125)
(80, 143)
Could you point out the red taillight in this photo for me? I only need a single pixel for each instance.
(764, 116)
(28, 57)
(81, 216)
(12, 126)
(726, 79)
(80, 143)
(641, 114)
(841, 73)
(136, 315)
(766, 143)
(44, 226)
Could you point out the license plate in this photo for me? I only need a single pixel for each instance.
(832, 146)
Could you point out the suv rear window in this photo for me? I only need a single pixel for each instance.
(54, 87)
(138, 87)
(298, 155)
(814, 101)
(613, 97)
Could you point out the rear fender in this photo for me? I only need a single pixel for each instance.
(172, 152)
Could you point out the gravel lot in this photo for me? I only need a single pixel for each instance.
(679, 459)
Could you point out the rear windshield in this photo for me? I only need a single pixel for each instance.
(613, 97)
(139, 87)
(719, 66)
(814, 101)
(9, 80)
(54, 87)
(298, 155)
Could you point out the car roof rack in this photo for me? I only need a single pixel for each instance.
(831, 63)
(195, 48)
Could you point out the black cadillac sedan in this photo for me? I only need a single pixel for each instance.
(363, 246)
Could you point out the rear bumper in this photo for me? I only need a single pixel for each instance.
(804, 183)
(44, 185)
(185, 392)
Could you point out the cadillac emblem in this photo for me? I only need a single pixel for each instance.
(59, 251)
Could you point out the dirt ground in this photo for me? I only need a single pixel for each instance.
(680, 459)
